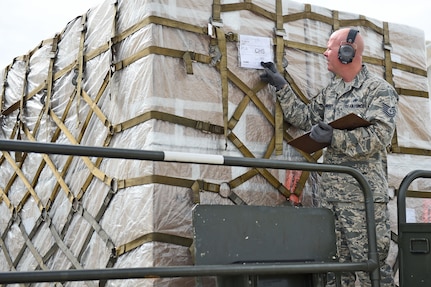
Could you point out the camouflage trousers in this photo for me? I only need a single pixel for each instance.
(352, 241)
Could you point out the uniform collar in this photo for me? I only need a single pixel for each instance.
(356, 83)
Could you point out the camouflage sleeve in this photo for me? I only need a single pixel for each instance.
(381, 112)
(298, 113)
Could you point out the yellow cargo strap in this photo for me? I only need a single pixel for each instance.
(279, 56)
(92, 168)
(30, 191)
(19, 125)
(236, 199)
(188, 62)
(59, 178)
(79, 69)
(3, 158)
(158, 51)
(243, 178)
(63, 247)
(158, 21)
(94, 222)
(203, 186)
(22, 103)
(50, 77)
(307, 14)
(417, 151)
(388, 73)
(151, 237)
(416, 193)
(387, 50)
(250, 95)
(278, 128)
(79, 209)
(216, 11)
(200, 185)
(128, 124)
(301, 183)
(171, 118)
(195, 185)
(70, 158)
(222, 66)
(6, 254)
(195, 192)
(168, 180)
(264, 172)
(5, 199)
(29, 244)
(247, 5)
(111, 48)
(304, 47)
(95, 109)
(221, 62)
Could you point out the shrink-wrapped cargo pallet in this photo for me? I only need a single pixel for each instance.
(167, 76)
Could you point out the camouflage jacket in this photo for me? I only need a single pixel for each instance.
(362, 148)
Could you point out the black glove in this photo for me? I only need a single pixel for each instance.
(322, 133)
(272, 76)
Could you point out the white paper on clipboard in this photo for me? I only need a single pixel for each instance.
(253, 50)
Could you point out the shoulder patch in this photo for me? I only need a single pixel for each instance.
(389, 111)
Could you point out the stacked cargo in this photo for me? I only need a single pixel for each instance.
(167, 76)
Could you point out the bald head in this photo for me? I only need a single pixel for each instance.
(345, 69)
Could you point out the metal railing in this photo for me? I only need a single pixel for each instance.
(371, 265)
(413, 239)
(402, 191)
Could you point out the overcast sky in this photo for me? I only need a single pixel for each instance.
(25, 23)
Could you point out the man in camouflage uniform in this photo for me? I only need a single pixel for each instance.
(353, 89)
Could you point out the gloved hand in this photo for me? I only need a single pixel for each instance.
(272, 76)
(322, 132)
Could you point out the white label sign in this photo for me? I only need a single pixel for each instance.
(253, 50)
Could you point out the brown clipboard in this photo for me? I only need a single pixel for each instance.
(347, 122)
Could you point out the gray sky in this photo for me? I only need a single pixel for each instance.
(25, 23)
(414, 13)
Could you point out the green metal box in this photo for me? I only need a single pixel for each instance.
(414, 254)
(259, 234)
